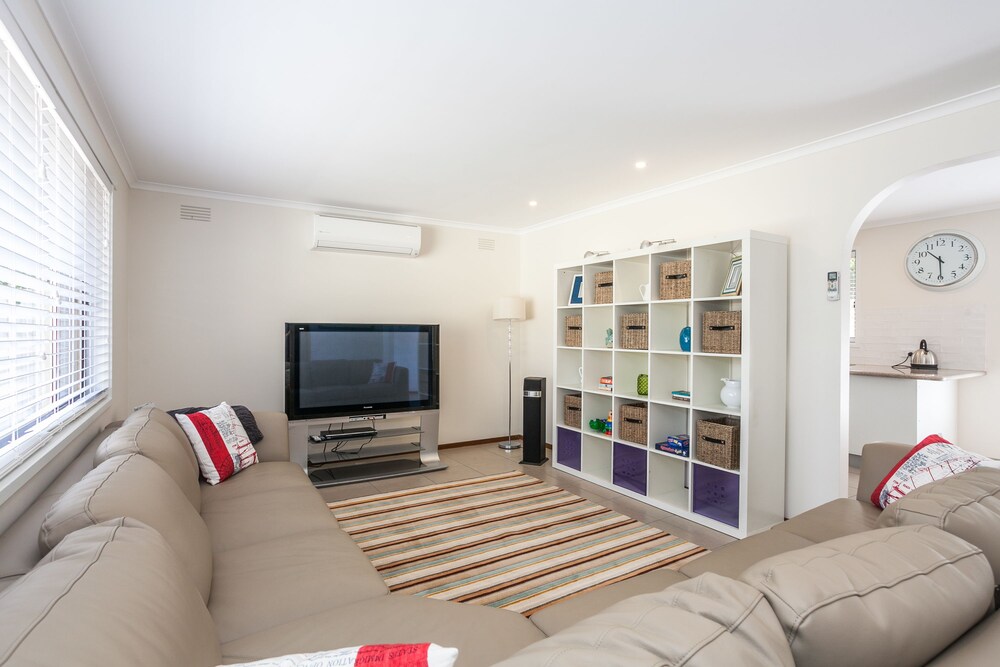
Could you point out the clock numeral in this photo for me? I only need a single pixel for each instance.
(921, 255)
(920, 270)
(962, 266)
(954, 274)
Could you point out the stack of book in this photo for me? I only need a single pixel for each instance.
(675, 444)
(605, 383)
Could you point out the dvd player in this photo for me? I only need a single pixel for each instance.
(344, 434)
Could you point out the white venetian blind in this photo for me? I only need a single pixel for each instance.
(55, 297)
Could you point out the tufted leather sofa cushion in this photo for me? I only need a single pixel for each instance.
(157, 436)
(132, 485)
(966, 505)
(895, 596)
(112, 595)
(706, 621)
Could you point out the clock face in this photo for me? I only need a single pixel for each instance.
(944, 259)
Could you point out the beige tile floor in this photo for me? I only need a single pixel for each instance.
(488, 459)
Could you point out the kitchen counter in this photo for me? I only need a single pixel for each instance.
(942, 374)
(883, 408)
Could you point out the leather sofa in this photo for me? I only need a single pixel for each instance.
(130, 559)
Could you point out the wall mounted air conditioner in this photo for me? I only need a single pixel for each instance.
(349, 235)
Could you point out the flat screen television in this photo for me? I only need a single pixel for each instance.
(338, 370)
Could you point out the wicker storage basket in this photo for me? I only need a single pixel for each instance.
(721, 331)
(633, 422)
(571, 410)
(675, 280)
(635, 331)
(718, 442)
(604, 287)
(574, 331)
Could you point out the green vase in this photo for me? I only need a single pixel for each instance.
(642, 385)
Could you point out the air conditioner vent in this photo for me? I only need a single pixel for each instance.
(368, 236)
(487, 244)
(196, 213)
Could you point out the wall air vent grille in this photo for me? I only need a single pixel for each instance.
(487, 244)
(196, 213)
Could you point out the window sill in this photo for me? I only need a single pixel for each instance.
(74, 433)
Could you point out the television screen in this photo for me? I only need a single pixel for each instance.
(336, 370)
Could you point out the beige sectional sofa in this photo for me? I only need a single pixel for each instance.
(130, 559)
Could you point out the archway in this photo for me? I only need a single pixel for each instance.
(961, 194)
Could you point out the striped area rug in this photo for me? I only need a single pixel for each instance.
(506, 540)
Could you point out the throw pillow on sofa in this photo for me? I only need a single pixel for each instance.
(375, 655)
(932, 459)
(243, 413)
(220, 443)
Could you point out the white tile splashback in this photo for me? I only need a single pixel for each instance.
(955, 334)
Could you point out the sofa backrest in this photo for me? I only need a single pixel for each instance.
(707, 621)
(132, 485)
(966, 505)
(113, 595)
(156, 435)
(877, 459)
(894, 596)
(274, 427)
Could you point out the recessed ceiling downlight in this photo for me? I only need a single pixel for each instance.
(641, 164)
(532, 203)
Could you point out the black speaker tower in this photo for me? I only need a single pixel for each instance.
(533, 414)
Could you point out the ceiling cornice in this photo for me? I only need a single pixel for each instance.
(343, 211)
(932, 215)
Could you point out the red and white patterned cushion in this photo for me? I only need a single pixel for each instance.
(374, 655)
(932, 459)
(219, 441)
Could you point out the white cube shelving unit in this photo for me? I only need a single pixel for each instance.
(739, 501)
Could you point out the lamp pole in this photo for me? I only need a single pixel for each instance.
(510, 444)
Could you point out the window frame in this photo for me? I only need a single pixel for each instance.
(72, 432)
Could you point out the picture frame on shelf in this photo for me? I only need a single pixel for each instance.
(734, 281)
(576, 292)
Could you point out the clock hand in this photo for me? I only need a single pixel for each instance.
(940, 265)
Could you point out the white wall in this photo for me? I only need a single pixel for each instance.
(818, 202)
(208, 303)
(961, 325)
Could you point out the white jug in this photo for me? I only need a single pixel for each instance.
(730, 393)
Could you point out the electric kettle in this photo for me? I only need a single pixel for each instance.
(923, 359)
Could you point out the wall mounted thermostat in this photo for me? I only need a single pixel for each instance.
(832, 286)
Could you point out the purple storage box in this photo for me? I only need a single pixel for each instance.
(568, 448)
(629, 468)
(717, 495)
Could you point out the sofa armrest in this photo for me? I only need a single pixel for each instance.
(877, 459)
(274, 426)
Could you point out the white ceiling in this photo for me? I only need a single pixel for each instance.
(464, 111)
(964, 188)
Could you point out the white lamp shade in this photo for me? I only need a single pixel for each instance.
(508, 308)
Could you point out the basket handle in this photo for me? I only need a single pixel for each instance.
(571, 328)
(633, 421)
(729, 327)
(605, 284)
(634, 327)
(677, 276)
(571, 407)
(715, 441)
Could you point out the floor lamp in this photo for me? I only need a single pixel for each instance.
(509, 308)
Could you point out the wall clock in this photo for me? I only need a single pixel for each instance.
(945, 260)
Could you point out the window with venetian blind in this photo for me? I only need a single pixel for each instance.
(55, 268)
